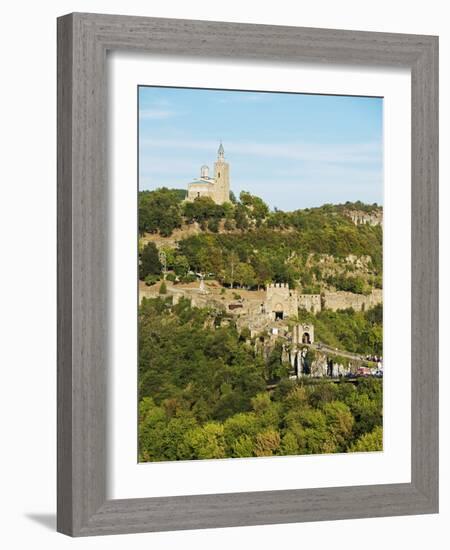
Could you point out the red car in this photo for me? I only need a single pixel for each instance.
(363, 371)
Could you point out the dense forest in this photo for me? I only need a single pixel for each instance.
(202, 390)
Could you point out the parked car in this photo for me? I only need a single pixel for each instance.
(363, 371)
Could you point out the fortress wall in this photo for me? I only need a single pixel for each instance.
(344, 300)
(277, 295)
(147, 294)
(310, 302)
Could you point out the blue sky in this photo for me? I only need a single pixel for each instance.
(292, 150)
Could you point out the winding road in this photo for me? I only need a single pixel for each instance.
(354, 356)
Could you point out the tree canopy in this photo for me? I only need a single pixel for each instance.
(203, 394)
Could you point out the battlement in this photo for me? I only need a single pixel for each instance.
(310, 302)
(278, 285)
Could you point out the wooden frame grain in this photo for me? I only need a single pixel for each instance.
(83, 41)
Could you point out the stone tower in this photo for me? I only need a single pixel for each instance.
(281, 301)
(221, 178)
(303, 334)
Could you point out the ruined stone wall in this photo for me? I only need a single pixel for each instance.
(310, 302)
(340, 300)
(197, 298)
(344, 300)
(319, 368)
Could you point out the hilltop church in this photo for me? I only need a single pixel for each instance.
(218, 187)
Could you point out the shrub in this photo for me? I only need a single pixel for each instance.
(228, 225)
(189, 278)
(213, 225)
(372, 441)
(163, 288)
(151, 279)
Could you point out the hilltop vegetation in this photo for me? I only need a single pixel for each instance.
(202, 395)
(244, 244)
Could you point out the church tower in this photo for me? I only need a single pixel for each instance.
(221, 178)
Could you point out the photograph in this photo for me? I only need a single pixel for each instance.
(230, 214)
(260, 266)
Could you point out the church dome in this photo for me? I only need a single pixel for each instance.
(204, 171)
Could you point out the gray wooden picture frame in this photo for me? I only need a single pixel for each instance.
(83, 42)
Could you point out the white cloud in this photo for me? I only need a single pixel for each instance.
(155, 113)
(358, 173)
(342, 153)
(247, 97)
(167, 165)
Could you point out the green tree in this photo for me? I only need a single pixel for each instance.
(267, 443)
(213, 225)
(174, 444)
(242, 447)
(149, 261)
(241, 427)
(203, 209)
(163, 288)
(241, 217)
(310, 429)
(289, 444)
(340, 421)
(206, 441)
(228, 274)
(372, 441)
(181, 265)
(257, 208)
(160, 210)
(244, 275)
(275, 368)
